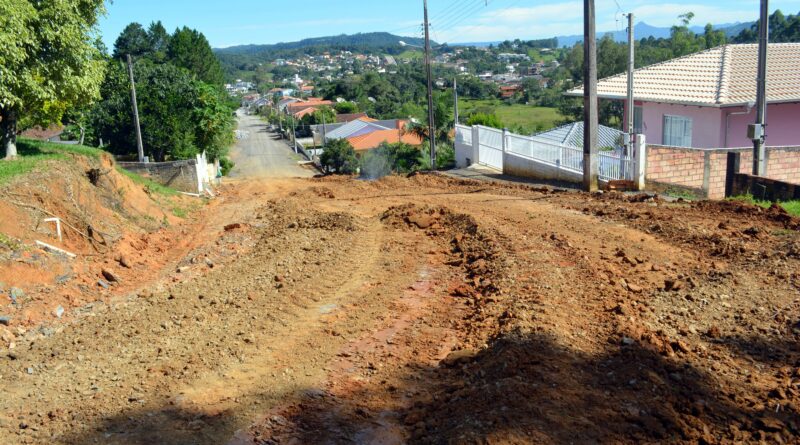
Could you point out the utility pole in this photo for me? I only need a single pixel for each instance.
(139, 145)
(455, 99)
(431, 121)
(758, 134)
(294, 133)
(589, 98)
(631, 67)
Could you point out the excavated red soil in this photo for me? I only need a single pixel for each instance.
(431, 310)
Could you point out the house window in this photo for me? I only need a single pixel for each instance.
(677, 131)
(638, 126)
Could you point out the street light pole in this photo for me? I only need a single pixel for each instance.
(431, 122)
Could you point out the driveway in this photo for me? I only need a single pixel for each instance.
(260, 153)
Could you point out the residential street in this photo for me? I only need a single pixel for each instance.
(258, 154)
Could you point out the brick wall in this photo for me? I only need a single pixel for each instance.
(705, 170)
(675, 166)
(179, 175)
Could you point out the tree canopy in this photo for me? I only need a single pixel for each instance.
(49, 62)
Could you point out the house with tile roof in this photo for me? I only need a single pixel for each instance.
(374, 139)
(706, 99)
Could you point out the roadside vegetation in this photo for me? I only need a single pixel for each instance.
(792, 207)
(32, 154)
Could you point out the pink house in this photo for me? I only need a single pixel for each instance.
(705, 100)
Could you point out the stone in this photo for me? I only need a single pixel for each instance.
(16, 293)
(714, 332)
(103, 284)
(59, 312)
(233, 226)
(459, 357)
(183, 269)
(209, 263)
(109, 275)
(125, 262)
(636, 289)
(673, 285)
(627, 341)
(5, 320)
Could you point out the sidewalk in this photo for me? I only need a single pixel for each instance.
(483, 173)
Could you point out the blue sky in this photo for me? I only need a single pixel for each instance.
(235, 22)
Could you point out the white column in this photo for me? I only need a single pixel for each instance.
(639, 162)
(476, 144)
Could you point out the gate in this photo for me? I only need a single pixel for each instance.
(490, 147)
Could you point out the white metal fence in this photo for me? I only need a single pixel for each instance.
(491, 148)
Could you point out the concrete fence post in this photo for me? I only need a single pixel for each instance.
(198, 166)
(476, 144)
(733, 163)
(640, 162)
(505, 139)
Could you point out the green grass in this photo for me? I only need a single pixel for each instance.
(793, 207)
(32, 154)
(413, 54)
(149, 185)
(530, 118)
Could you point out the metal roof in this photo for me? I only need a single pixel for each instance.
(354, 127)
(720, 77)
(572, 135)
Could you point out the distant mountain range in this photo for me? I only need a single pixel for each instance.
(372, 40)
(641, 31)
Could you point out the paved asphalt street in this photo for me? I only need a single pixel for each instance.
(262, 154)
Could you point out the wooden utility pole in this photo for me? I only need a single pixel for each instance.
(758, 133)
(455, 100)
(590, 169)
(139, 145)
(431, 119)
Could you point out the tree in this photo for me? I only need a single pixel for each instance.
(180, 116)
(159, 39)
(133, 40)
(346, 108)
(339, 157)
(48, 62)
(189, 49)
(486, 120)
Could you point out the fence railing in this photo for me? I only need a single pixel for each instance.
(492, 144)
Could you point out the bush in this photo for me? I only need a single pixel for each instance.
(339, 157)
(445, 157)
(387, 158)
(487, 120)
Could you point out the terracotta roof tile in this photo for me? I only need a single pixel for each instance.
(372, 140)
(721, 76)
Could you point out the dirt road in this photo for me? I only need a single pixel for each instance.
(260, 154)
(435, 310)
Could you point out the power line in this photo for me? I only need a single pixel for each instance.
(451, 10)
(463, 15)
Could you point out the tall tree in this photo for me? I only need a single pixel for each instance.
(133, 40)
(48, 62)
(189, 49)
(158, 38)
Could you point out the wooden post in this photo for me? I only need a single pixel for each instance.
(139, 145)
(590, 119)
